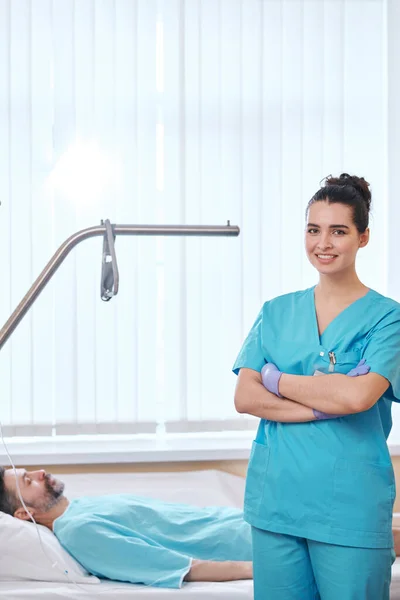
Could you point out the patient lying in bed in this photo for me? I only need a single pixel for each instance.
(135, 539)
(130, 538)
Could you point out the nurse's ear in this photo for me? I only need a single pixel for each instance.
(364, 238)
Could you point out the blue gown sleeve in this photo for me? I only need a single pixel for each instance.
(382, 350)
(251, 355)
(111, 552)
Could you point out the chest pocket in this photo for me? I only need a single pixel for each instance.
(344, 361)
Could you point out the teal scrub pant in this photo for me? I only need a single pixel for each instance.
(291, 568)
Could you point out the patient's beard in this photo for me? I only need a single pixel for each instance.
(54, 492)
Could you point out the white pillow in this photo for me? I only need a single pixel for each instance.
(22, 556)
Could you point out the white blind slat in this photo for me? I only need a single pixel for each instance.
(272, 142)
(170, 98)
(147, 118)
(104, 128)
(238, 153)
(333, 93)
(6, 304)
(83, 196)
(192, 207)
(41, 224)
(64, 214)
(247, 258)
(393, 157)
(210, 182)
(127, 206)
(366, 121)
(20, 235)
(292, 159)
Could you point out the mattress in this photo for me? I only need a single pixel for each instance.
(201, 488)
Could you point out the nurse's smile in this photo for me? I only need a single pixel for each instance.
(325, 259)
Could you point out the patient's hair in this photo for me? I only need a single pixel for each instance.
(8, 500)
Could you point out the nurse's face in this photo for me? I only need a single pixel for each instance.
(331, 239)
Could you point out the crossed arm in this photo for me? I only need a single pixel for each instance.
(252, 398)
(335, 394)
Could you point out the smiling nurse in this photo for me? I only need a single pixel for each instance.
(320, 490)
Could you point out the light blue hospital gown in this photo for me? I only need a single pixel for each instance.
(330, 481)
(142, 540)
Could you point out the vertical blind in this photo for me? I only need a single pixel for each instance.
(172, 112)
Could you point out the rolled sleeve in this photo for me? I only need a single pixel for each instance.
(251, 355)
(382, 351)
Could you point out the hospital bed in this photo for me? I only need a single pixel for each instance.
(200, 488)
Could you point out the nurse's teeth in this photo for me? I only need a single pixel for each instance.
(325, 256)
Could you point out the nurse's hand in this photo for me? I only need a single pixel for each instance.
(361, 369)
(321, 416)
(270, 376)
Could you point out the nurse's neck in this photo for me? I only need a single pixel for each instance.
(340, 287)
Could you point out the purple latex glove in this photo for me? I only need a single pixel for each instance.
(361, 369)
(270, 376)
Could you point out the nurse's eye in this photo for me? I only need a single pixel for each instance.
(312, 230)
(339, 232)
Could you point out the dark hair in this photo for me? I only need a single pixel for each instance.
(350, 190)
(8, 500)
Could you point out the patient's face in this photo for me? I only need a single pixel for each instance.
(38, 489)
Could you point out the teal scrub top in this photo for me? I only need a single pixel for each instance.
(330, 481)
(142, 540)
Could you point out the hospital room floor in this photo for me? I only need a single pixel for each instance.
(201, 488)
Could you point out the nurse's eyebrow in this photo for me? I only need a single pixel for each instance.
(331, 226)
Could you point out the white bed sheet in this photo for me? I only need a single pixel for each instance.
(201, 488)
(235, 590)
(395, 587)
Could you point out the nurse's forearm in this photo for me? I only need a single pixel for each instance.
(335, 394)
(254, 399)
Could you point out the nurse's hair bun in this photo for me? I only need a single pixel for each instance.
(359, 183)
(346, 189)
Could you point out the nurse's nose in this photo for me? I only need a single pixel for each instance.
(325, 241)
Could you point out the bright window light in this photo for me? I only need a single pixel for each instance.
(85, 173)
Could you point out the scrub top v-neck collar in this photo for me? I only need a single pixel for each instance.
(322, 338)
